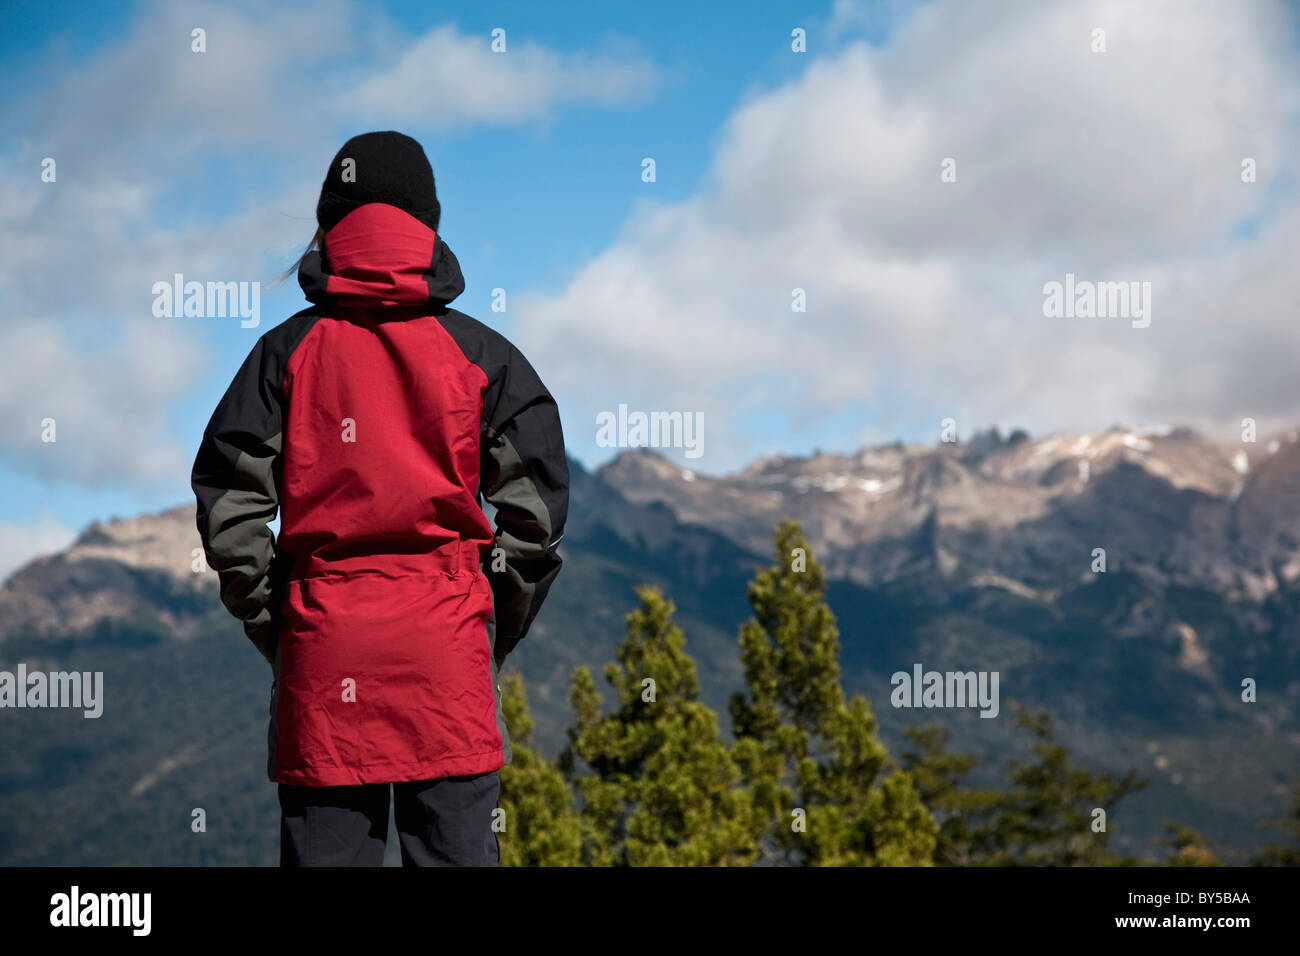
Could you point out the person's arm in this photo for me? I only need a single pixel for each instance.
(235, 482)
(525, 476)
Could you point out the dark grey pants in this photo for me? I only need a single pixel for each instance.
(443, 822)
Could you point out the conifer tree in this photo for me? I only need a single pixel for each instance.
(1188, 847)
(966, 836)
(1047, 816)
(1287, 854)
(824, 786)
(661, 788)
(541, 822)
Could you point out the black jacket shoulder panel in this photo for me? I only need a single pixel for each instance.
(279, 343)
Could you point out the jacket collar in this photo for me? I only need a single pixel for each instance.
(378, 255)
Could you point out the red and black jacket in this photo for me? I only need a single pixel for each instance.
(376, 422)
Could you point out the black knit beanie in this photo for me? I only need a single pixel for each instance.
(386, 167)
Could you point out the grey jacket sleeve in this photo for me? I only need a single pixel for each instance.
(235, 480)
(525, 476)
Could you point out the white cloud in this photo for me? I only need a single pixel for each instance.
(20, 542)
(107, 405)
(448, 78)
(925, 298)
(131, 128)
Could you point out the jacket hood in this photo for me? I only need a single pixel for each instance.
(378, 255)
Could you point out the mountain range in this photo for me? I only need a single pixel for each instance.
(1129, 581)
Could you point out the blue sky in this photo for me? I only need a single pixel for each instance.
(775, 170)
